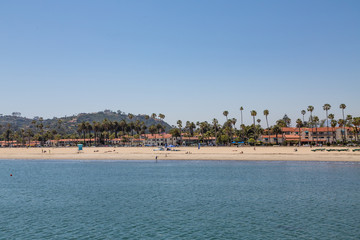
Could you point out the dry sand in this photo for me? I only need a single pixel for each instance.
(184, 153)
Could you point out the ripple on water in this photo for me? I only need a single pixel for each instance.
(179, 200)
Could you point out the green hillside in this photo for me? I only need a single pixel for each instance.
(69, 125)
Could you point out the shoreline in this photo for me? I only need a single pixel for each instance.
(184, 153)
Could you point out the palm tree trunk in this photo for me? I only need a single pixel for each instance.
(327, 125)
(255, 135)
(241, 118)
(90, 137)
(344, 134)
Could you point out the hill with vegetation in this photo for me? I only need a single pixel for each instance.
(73, 125)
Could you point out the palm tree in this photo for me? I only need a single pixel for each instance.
(226, 113)
(316, 122)
(331, 117)
(326, 108)
(179, 123)
(241, 109)
(333, 125)
(282, 124)
(266, 113)
(8, 134)
(342, 107)
(153, 116)
(88, 128)
(116, 128)
(276, 130)
(82, 129)
(162, 117)
(303, 112)
(96, 127)
(356, 123)
(233, 121)
(348, 123)
(253, 114)
(153, 130)
(215, 126)
(311, 109)
(299, 124)
(106, 127)
(160, 129)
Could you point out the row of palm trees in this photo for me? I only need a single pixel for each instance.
(223, 134)
(106, 130)
(314, 121)
(226, 132)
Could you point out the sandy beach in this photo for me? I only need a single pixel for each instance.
(184, 153)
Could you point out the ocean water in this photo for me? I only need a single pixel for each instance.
(179, 200)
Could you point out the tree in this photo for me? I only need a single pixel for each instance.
(162, 117)
(342, 107)
(226, 113)
(281, 123)
(311, 109)
(8, 133)
(130, 116)
(123, 126)
(233, 121)
(287, 120)
(29, 133)
(153, 130)
(299, 124)
(326, 108)
(316, 122)
(96, 127)
(333, 125)
(303, 112)
(276, 130)
(266, 113)
(241, 109)
(356, 123)
(175, 133)
(215, 126)
(82, 130)
(253, 114)
(88, 128)
(106, 128)
(179, 123)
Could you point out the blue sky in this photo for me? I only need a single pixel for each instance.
(189, 60)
